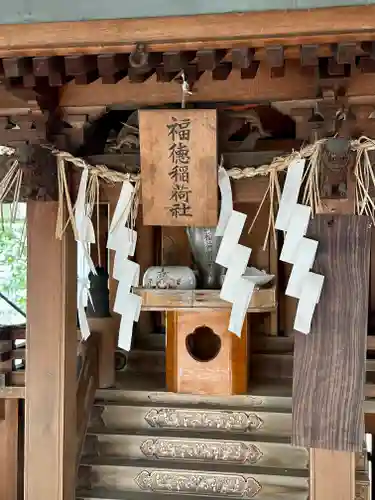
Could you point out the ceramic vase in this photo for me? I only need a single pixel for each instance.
(169, 277)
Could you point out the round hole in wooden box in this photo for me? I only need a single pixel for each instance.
(203, 344)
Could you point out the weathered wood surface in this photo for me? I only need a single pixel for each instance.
(295, 85)
(329, 363)
(12, 392)
(222, 370)
(107, 333)
(179, 167)
(332, 475)
(50, 443)
(9, 449)
(255, 29)
(263, 300)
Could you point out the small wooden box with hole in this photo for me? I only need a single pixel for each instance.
(203, 357)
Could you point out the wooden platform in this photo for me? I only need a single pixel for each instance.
(263, 300)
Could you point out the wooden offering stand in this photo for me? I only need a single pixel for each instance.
(202, 356)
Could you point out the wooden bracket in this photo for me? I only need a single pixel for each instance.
(337, 186)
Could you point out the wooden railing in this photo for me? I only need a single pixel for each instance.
(12, 362)
(87, 384)
(12, 392)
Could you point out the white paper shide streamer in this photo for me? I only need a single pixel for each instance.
(122, 240)
(293, 219)
(85, 236)
(235, 257)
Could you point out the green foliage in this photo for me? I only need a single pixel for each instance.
(13, 264)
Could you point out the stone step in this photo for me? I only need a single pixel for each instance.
(212, 447)
(257, 422)
(259, 343)
(141, 388)
(362, 493)
(105, 494)
(146, 361)
(194, 479)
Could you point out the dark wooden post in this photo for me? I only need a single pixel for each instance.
(50, 443)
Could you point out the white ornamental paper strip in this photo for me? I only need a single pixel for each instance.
(133, 309)
(302, 264)
(298, 250)
(241, 303)
(230, 239)
(122, 210)
(82, 299)
(121, 235)
(311, 291)
(290, 194)
(121, 256)
(237, 267)
(123, 241)
(129, 279)
(297, 229)
(80, 201)
(84, 237)
(235, 258)
(226, 207)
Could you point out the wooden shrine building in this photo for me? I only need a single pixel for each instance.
(200, 251)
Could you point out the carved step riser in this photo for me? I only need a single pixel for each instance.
(223, 451)
(248, 422)
(219, 485)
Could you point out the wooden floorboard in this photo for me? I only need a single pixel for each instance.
(329, 368)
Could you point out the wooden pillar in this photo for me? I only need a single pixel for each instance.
(50, 441)
(332, 475)
(8, 449)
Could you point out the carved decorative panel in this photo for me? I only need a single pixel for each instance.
(361, 492)
(220, 451)
(204, 419)
(226, 485)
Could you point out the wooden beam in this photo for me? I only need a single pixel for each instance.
(8, 449)
(255, 87)
(189, 32)
(332, 475)
(50, 444)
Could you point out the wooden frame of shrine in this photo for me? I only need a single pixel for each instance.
(255, 97)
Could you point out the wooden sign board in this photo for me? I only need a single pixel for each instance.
(179, 167)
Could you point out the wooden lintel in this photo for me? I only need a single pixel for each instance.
(242, 57)
(190, 32)
(259, 87)
(177, 60)
(309, 55)
(209, 59)
(346, 53)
